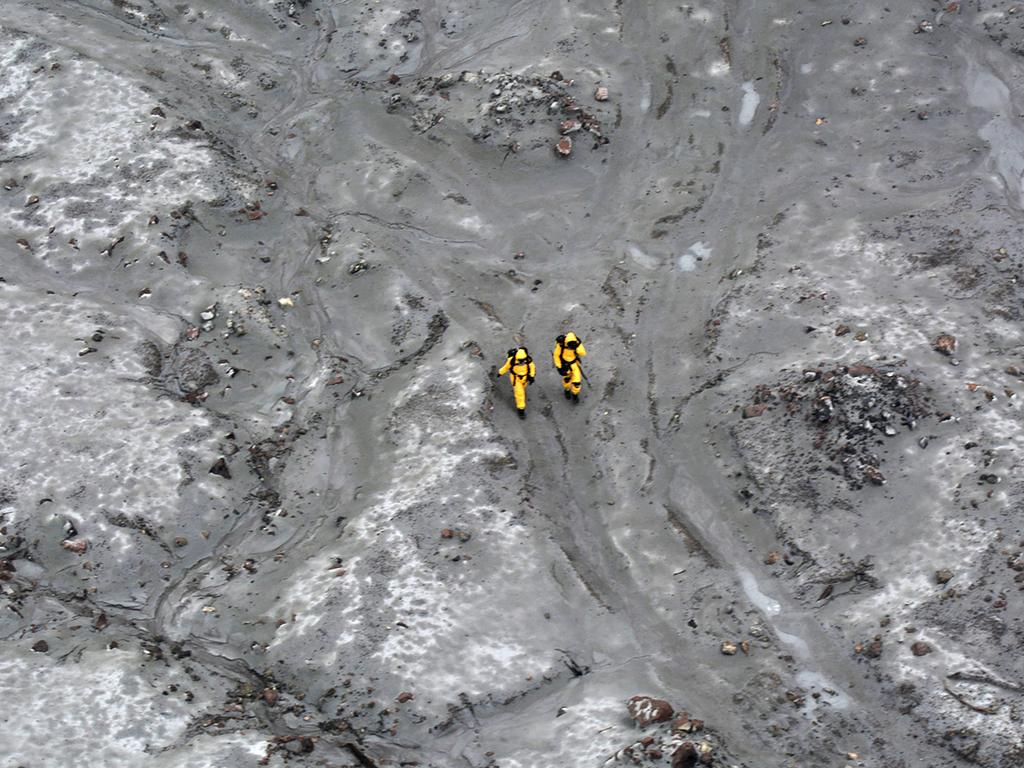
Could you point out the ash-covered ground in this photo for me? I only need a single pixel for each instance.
(265, 502)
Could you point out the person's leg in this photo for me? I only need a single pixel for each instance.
(519, 390)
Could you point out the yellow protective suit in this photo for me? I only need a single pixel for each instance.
(568, 352)
(521, 371)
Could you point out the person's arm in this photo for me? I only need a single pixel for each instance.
(556, 356)
(532, 371)
(505, 367)
(581, 351)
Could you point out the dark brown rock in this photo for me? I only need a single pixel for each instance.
(874, 476)
(685, 755)
(40, 646)
(920, 648)
(753, 411)
(686, 724)
(943, 576)
(874, 648)
(646, 710)
(945, 343)
(270, 696)
(404, 696)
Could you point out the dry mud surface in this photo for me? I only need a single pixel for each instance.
(264, 501)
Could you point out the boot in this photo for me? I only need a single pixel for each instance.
(575, 397)
(522, 414)
(568, 394)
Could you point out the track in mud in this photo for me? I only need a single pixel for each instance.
(266, 502)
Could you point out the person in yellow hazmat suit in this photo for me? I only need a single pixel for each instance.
(521, 371)
(568, 351)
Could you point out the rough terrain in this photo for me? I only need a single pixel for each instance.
(265, 501)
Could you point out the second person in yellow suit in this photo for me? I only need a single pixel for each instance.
(521, 372)
(568, 351)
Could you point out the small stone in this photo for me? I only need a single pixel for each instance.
(772, 558)
(922, 115)
(729, 648)
(32, 200)
(943, 576)
(646, 710)
(393, 79)
(404, 696)
(920, 648)
(447, 533)
(860, 42)
(40, 646)
(564, 146)
(180, 541)
(685, 724)
(873, 649)
(860, 370)
(945, 343)
(842, 330)
(860, 336)
(569, 126)
(286, 301)
(601, 94)
(874, 476)
(78, 546)
(270, 696)
(220, 467)
(755, 410)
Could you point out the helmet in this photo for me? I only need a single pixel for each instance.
(571, 340)
(521, 353)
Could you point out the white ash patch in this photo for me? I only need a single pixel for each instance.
(131, 454)
(122, 716)
(85, 143)
(956, 544)
(588, 733)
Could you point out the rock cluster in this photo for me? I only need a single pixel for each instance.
(849, 409)
(507, 104)
(672, 736)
